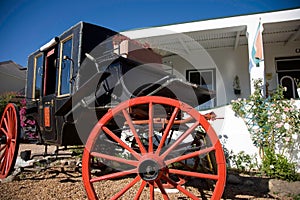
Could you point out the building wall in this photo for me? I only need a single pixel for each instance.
(227, 62)
(271, 51)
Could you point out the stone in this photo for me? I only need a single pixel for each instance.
(284, 187)
(232, 179)
(248, 183)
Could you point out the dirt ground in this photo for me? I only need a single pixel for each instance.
(62, 180)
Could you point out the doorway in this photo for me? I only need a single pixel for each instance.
(288, 70)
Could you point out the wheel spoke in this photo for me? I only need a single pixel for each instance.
(167, 130)
(114, 158)
(151, 188)
(3, 161)
(162, 189)
(127, 187)
(150, 127)
(4, 153)
(6, 125)
(3, 147)
(190, 155)
(139, 192)
(180, 139)
(8, 159)
(4, 131)
(117, 139)
(113, 175)
(9, 120)
(194, 174)
(179, 187)
(132, 128)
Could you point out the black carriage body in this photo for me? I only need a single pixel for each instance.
(51, 80)
(67, 93)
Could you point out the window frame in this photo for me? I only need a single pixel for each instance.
(214, 83)
(62, 42)
(35, 75)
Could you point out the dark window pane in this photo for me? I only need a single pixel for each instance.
(195, 77)
(38, 75)
(66, 67)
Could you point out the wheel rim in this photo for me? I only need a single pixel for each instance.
(149, 164)
(9, 134)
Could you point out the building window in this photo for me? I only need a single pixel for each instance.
(205, 78)
(65, 67)
(38, 73)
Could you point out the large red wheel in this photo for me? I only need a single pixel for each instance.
(145, 156)
(9, 139)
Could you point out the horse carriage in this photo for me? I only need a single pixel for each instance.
(91, 86)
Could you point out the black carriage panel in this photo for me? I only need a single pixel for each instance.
(96, 39)
(97, 42)
(73, 44)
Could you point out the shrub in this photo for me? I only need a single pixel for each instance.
(273, 123)
(5, 98)
(243, 162)
(278, 166)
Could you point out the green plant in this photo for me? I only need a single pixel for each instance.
(243, 162)
(5, 98)
(296, 197)
(278, 166)
(273, 123)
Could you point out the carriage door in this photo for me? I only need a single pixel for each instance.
(49, 86)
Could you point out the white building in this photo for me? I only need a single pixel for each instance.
(217, 50)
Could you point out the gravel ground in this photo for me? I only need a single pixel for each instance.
(62, 180)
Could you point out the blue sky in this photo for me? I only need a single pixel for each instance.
(25, 25)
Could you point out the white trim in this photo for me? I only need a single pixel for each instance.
(222, 23)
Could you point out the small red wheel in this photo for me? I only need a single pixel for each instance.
(9, 139)
(148, 155)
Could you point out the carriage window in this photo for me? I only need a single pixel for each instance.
(38, 73)
(205, 78)
(65, 67)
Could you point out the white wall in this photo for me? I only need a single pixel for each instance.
(227, 62)
(235, 129)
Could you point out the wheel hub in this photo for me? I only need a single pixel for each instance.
(3, 139)
(149, 170)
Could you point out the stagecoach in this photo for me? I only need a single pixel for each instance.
(94, 87)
